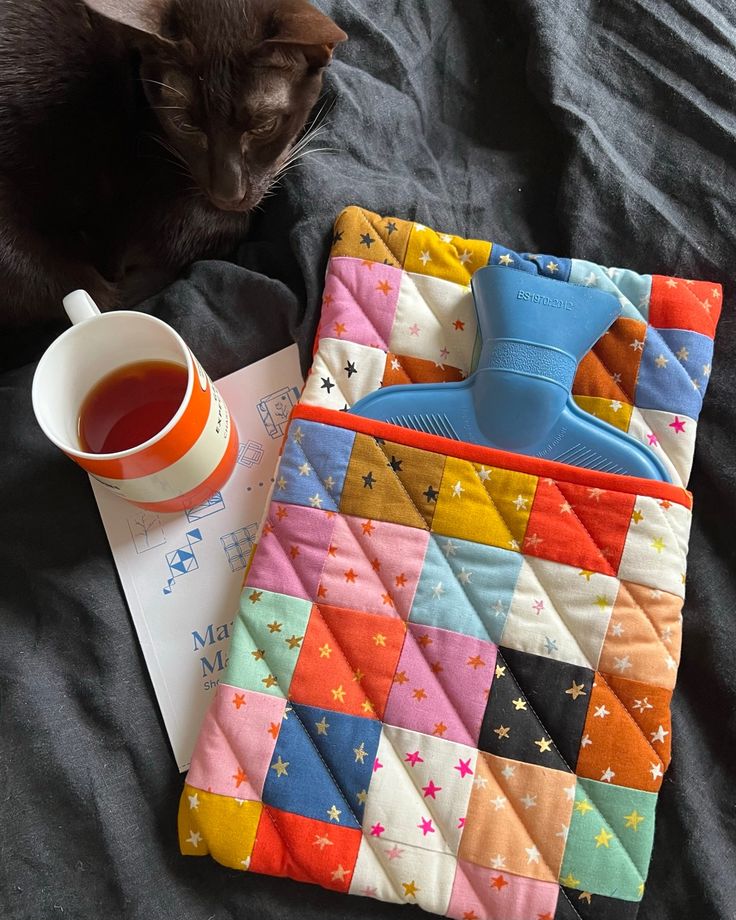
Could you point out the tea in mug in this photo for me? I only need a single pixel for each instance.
(130, 405)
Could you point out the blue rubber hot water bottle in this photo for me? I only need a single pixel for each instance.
(534, 333)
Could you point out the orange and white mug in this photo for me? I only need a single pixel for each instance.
(181, 466)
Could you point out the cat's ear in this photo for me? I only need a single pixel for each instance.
(299, 24)
(141, 15)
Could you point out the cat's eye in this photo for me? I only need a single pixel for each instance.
(265, 129)
(185, 127)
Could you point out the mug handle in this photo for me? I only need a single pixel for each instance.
(79, 306)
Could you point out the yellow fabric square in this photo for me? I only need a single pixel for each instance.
(444, 255)
(484, 504)
(614, 411)
(362, 234)
(385, 482)
(219, 826)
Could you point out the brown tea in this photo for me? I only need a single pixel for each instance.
(131, 405)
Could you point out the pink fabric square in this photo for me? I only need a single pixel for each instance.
(292, 550)
(373, 566)
(359, 303)
(441, 684)
(235, 743)
(492, 894)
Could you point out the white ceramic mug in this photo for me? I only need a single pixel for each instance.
(181, 465)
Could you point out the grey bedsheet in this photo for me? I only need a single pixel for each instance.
(602, 129)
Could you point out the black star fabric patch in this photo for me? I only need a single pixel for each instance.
(536, 710)
(582, 905)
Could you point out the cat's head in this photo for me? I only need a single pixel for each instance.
(231, 82)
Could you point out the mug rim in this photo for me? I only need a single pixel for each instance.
(152, 441)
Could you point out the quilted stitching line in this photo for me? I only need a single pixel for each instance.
(701, 303)
(381, 445)
(422, 801)
(367, 222)
(556, 611)
(244, 625)
(447, 367)
(495, 507)
(682, 370)
(460, 585)
(617, 837)
(631, 719)
(517, 813)
(316, 750)
(608, 272)
(332, 370)
(558, 479)
(285, 561)
(624, 590)
(336, 279)
(343, 656)
(436, 316)
(322, 482)
(681, 550)
(290, 850)
(581, 523)
(416, 788)
(556, 607)
(338, 786)
(628, 397)
(287, 846)
(440, 686)
(227, 738)
(567, 898)
(537, 717)
(349, 519)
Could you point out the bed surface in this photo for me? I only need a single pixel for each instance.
(604, 131)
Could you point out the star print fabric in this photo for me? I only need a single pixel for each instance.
(397, 308)
(450, 675)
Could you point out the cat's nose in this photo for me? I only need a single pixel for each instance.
(227, 181)
(227, 204)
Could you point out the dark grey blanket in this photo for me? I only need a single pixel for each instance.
(602, 129)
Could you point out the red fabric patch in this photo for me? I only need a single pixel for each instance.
(678, 304)
(348, 660)
(305, 850)
(579, 526)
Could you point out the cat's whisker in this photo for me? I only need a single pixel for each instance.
(165, 85)
(290, 163)
(306, 138)
(172, 150)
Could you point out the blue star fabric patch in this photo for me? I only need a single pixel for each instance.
(313, 467)
(472, 582)
(674, 371)
(631, 289)
(311, 739)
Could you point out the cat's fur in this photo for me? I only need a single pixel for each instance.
(136, 135)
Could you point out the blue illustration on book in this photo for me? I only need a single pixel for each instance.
(238, 544)
(183, 560)
(146, 530)
(250, 454)
(275, 408)
(213, 504)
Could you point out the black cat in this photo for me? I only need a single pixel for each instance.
(136, 135)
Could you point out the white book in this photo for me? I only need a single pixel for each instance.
(182, 573)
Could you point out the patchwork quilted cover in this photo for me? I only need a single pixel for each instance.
(450, 674)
